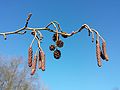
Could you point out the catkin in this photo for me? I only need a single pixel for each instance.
(39, 61)
(98, 53)
(34, 63)
(30, 55)
(43, 60)
(104, 50)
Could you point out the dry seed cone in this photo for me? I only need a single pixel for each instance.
(39, 61)
(34, 63)
(98, 53)
(43, 60)
(30, 53)
(59, 43)
(104, 50)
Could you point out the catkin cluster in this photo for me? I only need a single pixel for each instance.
(38, 58)
(101, 53)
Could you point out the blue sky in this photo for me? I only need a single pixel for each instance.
(77, 68)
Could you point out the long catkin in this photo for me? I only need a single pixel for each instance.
(98, 53)
(43, 60)
(104, 50)
(34, 64)
(30, 55)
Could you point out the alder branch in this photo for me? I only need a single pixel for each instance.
(57, 31)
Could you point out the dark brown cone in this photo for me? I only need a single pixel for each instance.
(43, 60)
(39, 61)
(57, 54)
(52, 47)
(104, 50)
(30, 53)
(60, 43)
(34, 64)
(98, 53)
(54, 38)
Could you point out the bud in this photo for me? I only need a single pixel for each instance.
(30, 54)
(88, 32)
(33, 32)
(34, 64)
(64, 34)
(104, 50)
(98, 53)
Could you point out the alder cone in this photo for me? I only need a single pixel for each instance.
(98, 53)
(57, 54)
(34, 64)
(42, 60)
(60, 43)
(52, 47)
(30, 55)
(54, 38)
(104, 50)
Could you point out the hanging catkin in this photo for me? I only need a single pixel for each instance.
(104, 50)
(34, 63)
(43, 60)
(39, 61)
(30, 53)
(98, 53)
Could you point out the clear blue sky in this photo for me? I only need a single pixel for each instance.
(77, 68)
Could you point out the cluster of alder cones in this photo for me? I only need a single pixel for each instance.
(58, 44)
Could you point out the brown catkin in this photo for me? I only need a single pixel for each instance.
(98, 53)
(104, 50)
(34, 63)
(39, 61)
(43, 60)
(30, 55)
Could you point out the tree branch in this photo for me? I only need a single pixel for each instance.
(57, 30)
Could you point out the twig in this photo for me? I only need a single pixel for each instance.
(36, 32)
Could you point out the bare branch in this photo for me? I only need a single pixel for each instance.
(57, 31)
